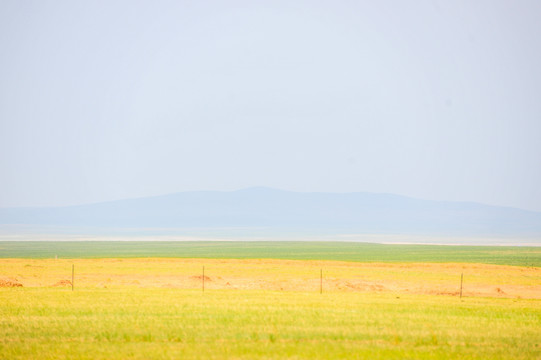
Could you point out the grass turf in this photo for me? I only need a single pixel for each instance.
(129, 323)
(340, 251)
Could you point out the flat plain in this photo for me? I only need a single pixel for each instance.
(127, 306)
(287, 250)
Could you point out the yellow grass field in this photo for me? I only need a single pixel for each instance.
(266, 309)
(480, 280)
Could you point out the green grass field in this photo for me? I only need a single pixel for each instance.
(145, 301)
(340, 251)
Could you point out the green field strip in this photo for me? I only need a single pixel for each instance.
(288, 250)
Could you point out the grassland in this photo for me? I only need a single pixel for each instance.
(278, 275)
(139, 323)
(257, 307)
(294, 250)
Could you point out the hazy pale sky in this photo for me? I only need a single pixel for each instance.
(104, 100)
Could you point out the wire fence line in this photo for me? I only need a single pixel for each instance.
(315, 280)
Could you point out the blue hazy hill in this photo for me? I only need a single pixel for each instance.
(276, 210)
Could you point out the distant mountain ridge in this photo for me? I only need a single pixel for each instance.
(266, 208)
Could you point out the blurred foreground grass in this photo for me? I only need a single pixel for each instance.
(137, 323)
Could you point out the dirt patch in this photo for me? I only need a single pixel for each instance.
(62, 283)
(355, 286)
(446, 293)
(8, 283)
(377, 287)
(361, 286)
(200, 277)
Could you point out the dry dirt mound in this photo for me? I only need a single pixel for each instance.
(10, 283)
(444, 292)
(200, 277)
(63, 283)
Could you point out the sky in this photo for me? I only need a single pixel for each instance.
(106, 100)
